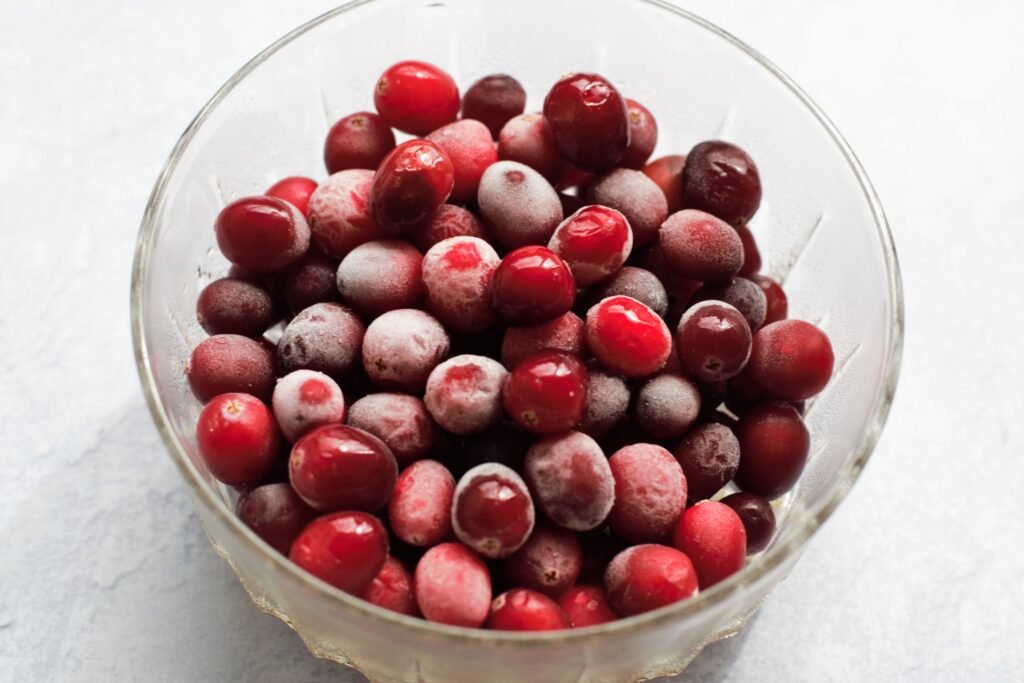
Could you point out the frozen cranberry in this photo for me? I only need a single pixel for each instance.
(607, 403)
(678, 287)
(636, 283)
(547, 392)
(650, 492)
(238, 439)
(713, 341)
(262, 234)
(339, 212)
(416, 97)
(464, 393)
(296, 190)
(447, 221)
(457, 276)
(471, 150)
(324, 337)
(712, 536)
(503, 443)
(402, 347)
(337, 467)
(412, 181)
(399, 420)
(311, 280)
(666, 406)
(421, 506)
(588, 118)
(740, 293)
(709, 455)
(643, 135)
(230, 363)
(452, 586)
(586, 606)
(492, 511)
(527, 139)
(700, 246)
(304, 400)
(493, 100)
(346, 549)
(275, 513)
(234, 305)
(549, 562)
(518, 205)
(757, 516)
(359, 140)
(595, 242)
(564, 333)
(721, 179)
(777, 306)
(751, 254)
(646, 577)
(774, 443)
(381, 276)
(791, 360)
(521, 609)
(636, 196)
(532, 285)
(667, 174)
(627, 337)
(570, 480)
(392, 589)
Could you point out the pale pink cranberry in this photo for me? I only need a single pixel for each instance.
(339, 212)
(399, 420)
(381, 276)
(453, 586)
(518, 205)
(586, 606)
(701, 246)
(607, 402)
(296, 190)
(636, 197)
(402, 347)
(549, 562)
(627, 337)
(564, 333)
(710, 455)
(667, 405)
(643, 135)
(275, 513)
(521, 609)
(420, 508)
(447, 221)
(492, 511)
(595, 242)
(304, 400)
(262, 234)
(646, 577)
(311, 280)
(228, 363)
(527, 139)
(650, 493)
(791, 360)
(636, 283)
(392, 589)
(237, 438)
(346, 549)
(713, 537)
(471, 150)
(464, 393)
(457, 277)
(571, 480)
(324, 337)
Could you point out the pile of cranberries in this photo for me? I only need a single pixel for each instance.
(518, 359)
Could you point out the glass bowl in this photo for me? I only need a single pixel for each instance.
(821, 230)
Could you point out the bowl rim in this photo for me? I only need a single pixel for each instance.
(805, 523)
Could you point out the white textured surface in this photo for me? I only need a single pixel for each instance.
(105, 573)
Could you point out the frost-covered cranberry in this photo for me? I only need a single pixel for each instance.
(636, 197)
(518, 205)
(607, 402)
(399, 420)
(713, 341)
(411, 182)
(586, 606)
(359, 140)
(238, 439)
(646, 577)
(774, 443)
(231, 363)
(564, 333)
(392, 589)
(324, 337)
(532, 285)
(667, 174)
(712, 536)
(457, 277)
(275, 513)
(262, 234)
(709, 455)
(791, 360)
(402, 347)
(304, 400)
(471, 150)
(721, 179)
(453, 586)
(549, 562)
(588, 119)
(447, 221)
(679, 288)
(527, 139)
(547, 392)
(234, 305)
(636, 283)
(643, 135)
(296, 190)
(595, 242)
(492, 511)
(493, 100)
(571, 480)
(381, 276)
(337, 467)
(416, 97)
(346, 549)
(666, 406)
(777, 306)
(757, 516)
(751, 254)
(311, 280)
(740, 293)
(339, 212)
(650, 492)
(521, 609)
(421, 507)
(627, 337)
(700, 246)
(464, 393)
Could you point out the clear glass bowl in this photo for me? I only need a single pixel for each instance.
(821, 230)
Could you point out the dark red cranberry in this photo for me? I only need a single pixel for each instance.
(700, 246)
(646, 577)
(713, 537)
(588, 118)
(751, 254)
(599, 548)
(627, 337)
(493, 100)
(521, 609)
(412, 181)
(586, 606)
(636, 283)
(469, 146)
(564, 333)
(777, 306)
(453, 586)
(312, 280)
(339, 212)
(391, 361)
(235, 305)
(416, 97)
(774, 443)
(420, 509)
(518, 205)
(595, 242)
(304, 400)
(636, 196)
(359, 140)
(457, 278)
(381, 276)
(791, 360)
(231, 363)
(742, 294)
(666, 406)
(757, 516)
(570, 480)
(238, 439)
(324, 337)
(709, 455)
(527, 139)
(492, 511)
(262, 234)
(296, 190)
(547, 392)
(346, 549)
(667, 174)
(721, 179)
(399, 420)
(678, 287)
(392, 589)
(742, 394)
(275, 513)
(643, 135)
(549, 562)
(607, 402)
(532, 285)
(448, 221)
(650, 492)
(713, 341)
(464, 393)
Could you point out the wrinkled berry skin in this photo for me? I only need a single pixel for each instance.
(589, 121)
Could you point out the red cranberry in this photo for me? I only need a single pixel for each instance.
(595, 242)
(518, 205)
(607, 403)
(791, 360)
(774, 443)
(457, 277)
(547, 392)
(532, 285)
(740, 293)
(527, 139)
(399, 420)
(701, 246)
(339, 212)
(381, 276)
(667, 174)
(627, 337)
(667, 405)
(677, 286)
(757, 516)
(777, 306)
(304, 400)
(637, 197)
(346, 549)
(588, 118)
(586, 606)
(448, 221)
(521, 609)
(464, 393)
(420, 508)
(413, 180)
(416, 97)
(392, 589)
(549, 562)
(324, 337)
(337, 467)
(275, 513)
(359, 140)
(721, 179)
(312, 280)
(742, 394)
(636, 283)
(230, 363)
(453, 586)
(471, 150)
(713, 341)
(262, 234)
(296, 190)
(564, 333)
(492, 511)
(493, 100)
(751, 254)
(709, 455)
(238, 439)
(712, 536)
(643, 135)
(646, 577)
(650, 492)
(235, 305)
(570, 480)
(402, 347)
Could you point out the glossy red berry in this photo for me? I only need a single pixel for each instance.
(586, 606)
(791, 360)
(518, 205)
(666, 406)
(547, 392)
(493, 100)
(447, 221)
(262, 234)
(710, 455)
(650, 493)
(636, 197)
(588, 118)
(399, 420)
(421, 506)
(713, 341)
(713, 537)
(305, 399)
(757, 516)
(234, 305)
(564, 333)
(527, 139)
(595, 243)
(643, 135)
(324, 337)
(492, 511)
(521, 609)
(416, 97)
(311, 280)
(275, 513)
(469, 146)
(464, 393)
(721, 179)
(627, 337)
(532, 285)
(457, 276)
(228, 363)
(359, 140)
(296, 190)
(411, 182)
(453, 586)
(776, 306)
(238, 439)
(549, 562)
(571, 480)
(646, 577)
(339, 212)
(667, 174)
(392, 589)
(346, 549)
(381, 276)
(774, 443)
(700, 246)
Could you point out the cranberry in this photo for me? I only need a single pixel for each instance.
(701, 246)
(667, 405)
(324, 337)
(713, 341)
(453, 586)
(650, 492)
(399, 420)
(742, 394)
(586, 606)
(402, 347)
(504, 443)
(471, 150)
(667, 174)
(527, 139)
(570, 480)
(339, 212)
(757, 516)
(564, 333)
(296, 190)
(791, 360)
(607, 403)
(392, 589)
(588, 118)
(413, 180)
(337, 467)
(740, 293)
(416, 97)
(547, 392)
(712, 536)
(677, 286)
(262, 234)
(709, 455)
(549, 562)
(420, 508)
(448, 221)
(777, 306)
(346, 549)
(518, 205)
(627, 337)
(643, 135)
(646, 577)
(237, 438)
(311, 280)
(532, 285)
(381, 276)
(774, 443)
(464, 393)
(230, 363)
(492, 511)
(637, 197)
(359, 140)
(721, 179)
(275, 513)
(595, 242)
(234, 305)
(636, 283)
(521, 609)
(457, 277)
(751, 254)
(304, 400)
